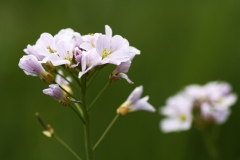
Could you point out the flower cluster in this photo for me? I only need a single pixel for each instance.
(205, 105)
(78, 53)
(81, 55)
(134, 103)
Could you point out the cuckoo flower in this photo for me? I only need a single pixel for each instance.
(134, 103)
(113, 50)
(45, 45)
(120, 71)
(56, 92)
(31, 66)
(211, 115)
(216, 94)
(178, 111)
(69, 35)
(64, 54)
(219, 94)
(89, 60)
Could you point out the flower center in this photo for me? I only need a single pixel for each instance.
(182, 118)
(50, 49)
(105, 53)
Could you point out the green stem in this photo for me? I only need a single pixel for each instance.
(66, 146)
(70, 95)
(76, 79)
(78, 113)
(92, 76)
(106, 131)
(90, 106)
(210, 145)
(67, 81)
(88, 145)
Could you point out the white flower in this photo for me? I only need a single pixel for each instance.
(56, 92)
(120, 71)
(134, 103)
(89, 60)
(211, 114)
(31, 66)
(64, 54)
(219, 94)
(178, 111)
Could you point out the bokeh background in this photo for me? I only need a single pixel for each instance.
(181, 42)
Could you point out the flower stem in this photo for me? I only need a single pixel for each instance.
(88, 145)
(210, 145)
(78, 113)
(105, 132)
(90, 106)
(68, 81)
(66, 146)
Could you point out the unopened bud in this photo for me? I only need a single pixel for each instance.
(122, 110)
(50, 67)
(64, 101)
(49, 132)
(114, 76)
(47, 77)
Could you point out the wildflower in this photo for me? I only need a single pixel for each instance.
(69, 35)
(207, 105)
(134, 103)
(209, 114)
(31, 66)
(64, 54)
(31, 50)
(89, 60)
(120, 71)
(178, 111)
(56, 92)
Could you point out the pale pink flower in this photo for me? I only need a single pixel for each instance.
(120, 71)
(31, 66)
(134, 103)
(56, 92)
(178, 110)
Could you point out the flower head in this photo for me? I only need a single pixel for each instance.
(56, 92)
(207, 105)
(31, 66)
(120, 71)
(134, 103)
(178, 111)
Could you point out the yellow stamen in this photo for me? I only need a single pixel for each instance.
(105, 53)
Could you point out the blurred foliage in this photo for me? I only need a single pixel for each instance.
(181, 42)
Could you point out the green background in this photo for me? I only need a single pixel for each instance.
(181, 42)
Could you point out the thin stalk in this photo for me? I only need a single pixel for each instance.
(92, 76)
(90, 106)
(67, 92)
(68, 81)
(76, 79)
(88, 145)
(106, 131)
(79, 114)
(210, 145)
(79, 109)
(66, 146)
